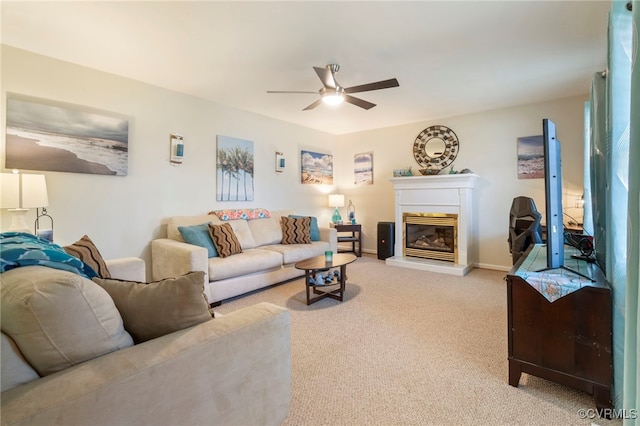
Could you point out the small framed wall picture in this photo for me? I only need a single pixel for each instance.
(280, 162)
(363, 168)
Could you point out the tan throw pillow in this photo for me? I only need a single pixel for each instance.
(57, 318)
(161, 307)
(224, 239)
(85, 250)
(296, 230)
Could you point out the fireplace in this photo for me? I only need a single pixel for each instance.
(446, 203)
(431, 236)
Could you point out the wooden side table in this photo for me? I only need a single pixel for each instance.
(354, 238)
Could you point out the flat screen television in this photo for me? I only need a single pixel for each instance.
(553, 195)
(553, 198)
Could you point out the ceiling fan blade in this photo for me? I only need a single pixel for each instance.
(385, 84)
(326, 76)
(313, 105)
(358, 102)
(289, 91)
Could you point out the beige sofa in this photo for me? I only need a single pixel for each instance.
(231, 370)
(263, 261)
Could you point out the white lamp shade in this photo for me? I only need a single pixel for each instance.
(31, 193)
(34, 191)
(336, 200)
(10, 188)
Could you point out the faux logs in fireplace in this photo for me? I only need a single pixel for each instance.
(431, 236)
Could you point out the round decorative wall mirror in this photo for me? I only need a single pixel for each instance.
(435, 148)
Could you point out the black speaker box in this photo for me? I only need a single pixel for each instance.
(386, 238)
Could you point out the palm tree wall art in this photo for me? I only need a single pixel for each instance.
(234, 169)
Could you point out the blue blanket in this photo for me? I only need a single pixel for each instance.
(22, 249)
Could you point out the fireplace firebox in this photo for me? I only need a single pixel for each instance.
(431, 236)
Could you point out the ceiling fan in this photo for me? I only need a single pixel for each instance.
(333, 94)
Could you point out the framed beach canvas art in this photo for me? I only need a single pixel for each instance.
(45, 135)
(363, 168)
(530, 157)
(234, 169)
(316, 168)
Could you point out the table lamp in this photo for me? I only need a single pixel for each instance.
(20, 193)
(336, 200)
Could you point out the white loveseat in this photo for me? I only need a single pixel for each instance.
(264, 261)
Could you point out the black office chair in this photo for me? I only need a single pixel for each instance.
(524, 226)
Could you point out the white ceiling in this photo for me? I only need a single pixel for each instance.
(450, 57)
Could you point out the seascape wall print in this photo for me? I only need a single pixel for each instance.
(234, 169)
(363, 168)
(316, 168)
(43, 135)
(530, 157)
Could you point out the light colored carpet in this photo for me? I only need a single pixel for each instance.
(410, 347)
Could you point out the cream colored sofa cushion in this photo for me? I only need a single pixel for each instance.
(249, 262)
(266, 231)
(243, 233)
(57, 318)
(15, 369)
(296, 252)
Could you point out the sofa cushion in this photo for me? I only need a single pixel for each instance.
(172, 224)
(243, 233)
(15, 370)
(151, 310)
(58, 318)
(314, 229)
(296, 230)
(199, 235)
(266, 231)
(296, 252)
(224, 239)
(85, 250)
(250, 261)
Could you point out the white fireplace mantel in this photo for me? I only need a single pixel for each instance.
(451, 194)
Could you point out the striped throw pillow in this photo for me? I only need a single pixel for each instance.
(224, 239)
(88, 253)
(296, 230)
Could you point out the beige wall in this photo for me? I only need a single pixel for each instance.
(488, 147)
(122, 214)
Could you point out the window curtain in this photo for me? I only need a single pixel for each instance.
(608, 179)
(631, 390)
(620, 46)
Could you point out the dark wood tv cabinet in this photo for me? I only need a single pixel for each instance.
(566, 339)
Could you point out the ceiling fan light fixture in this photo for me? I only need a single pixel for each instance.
(333, 98)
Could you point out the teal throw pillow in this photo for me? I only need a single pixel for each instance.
(198, 235)
(315, 231)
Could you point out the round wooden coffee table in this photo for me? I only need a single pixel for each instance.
(317, 264)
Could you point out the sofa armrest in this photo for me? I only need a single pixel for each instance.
(331, 236)
(171, 258)
(232, 370)
(127, 268)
